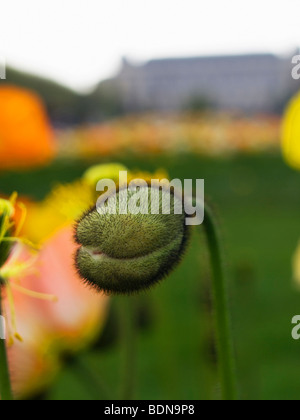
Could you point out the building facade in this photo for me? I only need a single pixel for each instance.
(248, 83)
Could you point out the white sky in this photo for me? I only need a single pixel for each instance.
(79, 42)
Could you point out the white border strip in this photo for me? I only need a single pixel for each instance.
(2, 328)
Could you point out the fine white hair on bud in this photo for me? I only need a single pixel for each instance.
(124, 252)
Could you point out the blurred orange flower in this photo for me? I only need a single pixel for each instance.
(26, 137)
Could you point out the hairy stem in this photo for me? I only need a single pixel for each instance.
(221, 311)
(5, 385)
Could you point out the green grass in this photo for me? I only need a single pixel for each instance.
(257, 201)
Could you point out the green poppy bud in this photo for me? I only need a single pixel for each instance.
(127, 251)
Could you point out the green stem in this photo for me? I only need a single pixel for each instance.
(222, 323)
(128, 337)
(5, 386)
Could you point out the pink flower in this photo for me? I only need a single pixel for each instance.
(48, 329)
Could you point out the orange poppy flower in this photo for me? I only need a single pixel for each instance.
(26, 137)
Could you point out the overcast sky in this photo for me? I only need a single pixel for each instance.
(79, 42)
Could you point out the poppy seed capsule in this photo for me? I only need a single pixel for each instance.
(125, 253)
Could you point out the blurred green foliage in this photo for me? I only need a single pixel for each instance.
(257, 201)
(64, 105)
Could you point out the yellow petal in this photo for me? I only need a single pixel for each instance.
(291, 133)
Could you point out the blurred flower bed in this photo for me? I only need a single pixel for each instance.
(202, 133)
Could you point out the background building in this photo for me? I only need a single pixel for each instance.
(250, 83)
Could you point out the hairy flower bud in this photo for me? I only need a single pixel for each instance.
(124, 253)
